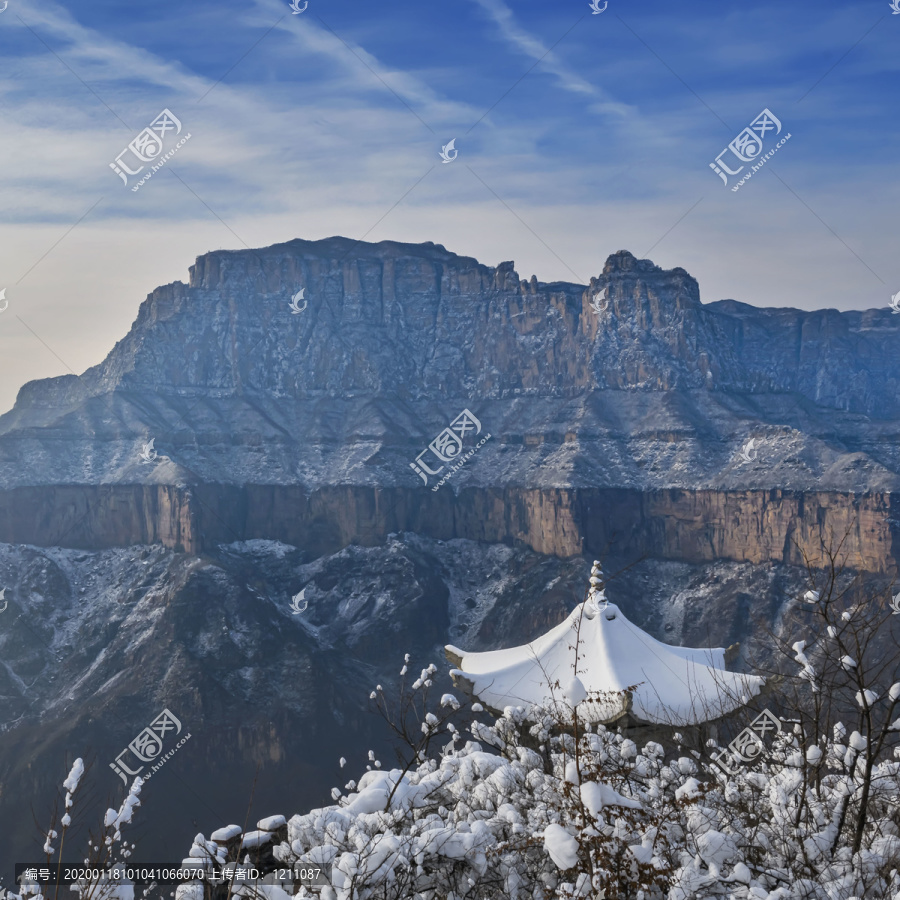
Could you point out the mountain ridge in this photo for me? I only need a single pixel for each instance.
(212, 272)
(397, 340)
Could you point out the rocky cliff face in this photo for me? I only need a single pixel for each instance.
(304, 425)
(654, 390)
(675, 524)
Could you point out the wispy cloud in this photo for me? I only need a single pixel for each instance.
(520, 39)
(514, 34)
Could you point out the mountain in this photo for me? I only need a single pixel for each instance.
(302, 426)
(430, 447)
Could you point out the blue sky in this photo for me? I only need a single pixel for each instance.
(578, 135)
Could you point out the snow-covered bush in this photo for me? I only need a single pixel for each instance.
(494, 818)
(600, 815)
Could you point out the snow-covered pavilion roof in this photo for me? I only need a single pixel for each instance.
(675, 685)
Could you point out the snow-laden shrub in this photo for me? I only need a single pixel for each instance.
(501, 816)
(491, 813)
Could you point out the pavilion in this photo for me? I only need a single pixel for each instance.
(622, 672)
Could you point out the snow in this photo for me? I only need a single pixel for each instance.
(261, 892)
(866, 698)
(512, 818)
(71, 783)
(375, 788)
(676, 685)
(225, 834)
(261, 547)
(575, 692)
(741, 874)
(124, 815)
(254, 839)
(189, 892)
(641, 853)
(715, 848)
(691, 788)
(561, 846)
(271, 823)
(595, 795)
(515, 819)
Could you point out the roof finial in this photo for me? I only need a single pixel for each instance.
(596, 594)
